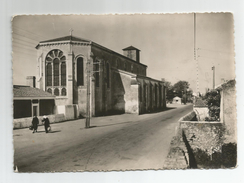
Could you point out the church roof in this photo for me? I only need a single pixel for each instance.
(66, 38)
(131, 48)
(27, 91)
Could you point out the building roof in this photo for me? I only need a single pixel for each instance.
(131, 48)
(230, 83)
(87, 42)
(66, 38)
(29, 92)
(200, 102)
(177, 98)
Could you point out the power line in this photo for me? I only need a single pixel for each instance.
(25, 37)
(14, 39)
(32, 46)
(26, 57)
(32, 49)
(24, 53)
(216, 51)
(17, 28)
(212, 58)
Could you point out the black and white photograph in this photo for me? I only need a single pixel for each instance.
(123, 92)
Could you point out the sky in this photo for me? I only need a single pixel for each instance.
(166, 42)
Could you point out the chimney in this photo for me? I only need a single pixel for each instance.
(31, 81)
(163, 80)
(132, 53)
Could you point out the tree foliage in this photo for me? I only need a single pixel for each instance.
(213, 102)
(180, 89)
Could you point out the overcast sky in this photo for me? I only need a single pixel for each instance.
(166, 42)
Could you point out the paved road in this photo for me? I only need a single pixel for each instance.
(122, 142)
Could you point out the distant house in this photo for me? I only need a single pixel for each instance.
(30, 101)
(176, 100)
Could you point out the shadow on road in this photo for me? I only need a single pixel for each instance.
(55, 131)
(111, 124)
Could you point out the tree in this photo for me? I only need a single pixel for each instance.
(169, 91)
(180, 88)
(213, 101)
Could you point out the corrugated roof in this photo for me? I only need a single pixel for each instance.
(131, 48)
(27, 91)
(66, 38)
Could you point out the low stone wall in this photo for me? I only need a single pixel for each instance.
(189, 117)
(201, 144)
(26, 122)
(206, 136)
(202, 113)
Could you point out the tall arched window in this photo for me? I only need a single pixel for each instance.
(80, 72)
(108, 75)
(55, 72)
(49, 74)
(63, 74)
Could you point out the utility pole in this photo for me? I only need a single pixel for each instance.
(195, 53)
(88, 99)
(213, 68)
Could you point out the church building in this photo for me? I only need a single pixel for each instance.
(117, 83)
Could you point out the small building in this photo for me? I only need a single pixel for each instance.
(176, 100)
(29, 101)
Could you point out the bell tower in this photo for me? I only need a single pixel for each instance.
(132, 53)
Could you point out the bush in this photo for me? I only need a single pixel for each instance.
(213, 102)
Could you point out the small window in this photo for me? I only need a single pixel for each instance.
(49, 90)
(56, 91)
(63, 92)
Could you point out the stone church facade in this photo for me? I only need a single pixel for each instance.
(118, 83)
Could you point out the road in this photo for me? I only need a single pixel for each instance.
(134, 142)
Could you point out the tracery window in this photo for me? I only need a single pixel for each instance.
(56, 73)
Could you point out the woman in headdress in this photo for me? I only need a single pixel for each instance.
(35, 122)
(46, 123)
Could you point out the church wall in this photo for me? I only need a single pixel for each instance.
(125, 94)
(80, 92)
(105, 103)
(42, 53)
(152, 97)
(75, 94)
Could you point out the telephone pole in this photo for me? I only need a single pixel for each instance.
(88, 99)
(213, 68)
(195, 54)
(89, 76)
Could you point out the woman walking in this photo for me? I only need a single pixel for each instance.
(35, 122)
(46, 123)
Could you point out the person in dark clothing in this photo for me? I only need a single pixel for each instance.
(35, 122)
(46, 123)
